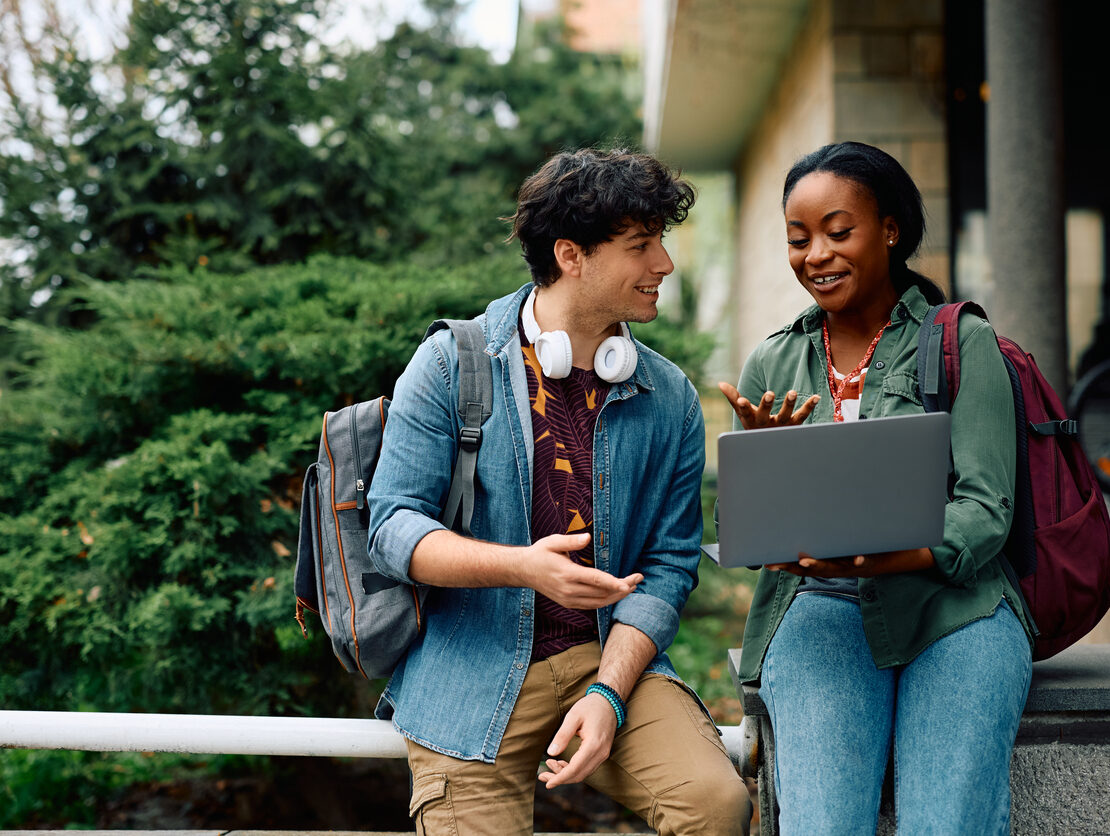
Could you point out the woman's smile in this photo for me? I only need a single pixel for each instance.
(826, 278)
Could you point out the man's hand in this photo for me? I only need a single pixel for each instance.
(548, 568)
(444, 558)
(759, 416)
(593, 721)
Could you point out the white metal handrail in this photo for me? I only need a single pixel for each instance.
(200, 734)
(223, 734)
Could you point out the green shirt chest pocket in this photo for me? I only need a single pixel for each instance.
(899, 395)
(803, 396)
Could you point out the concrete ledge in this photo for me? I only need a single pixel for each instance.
(1060, 772)
(1064, 727)
(1077, 679)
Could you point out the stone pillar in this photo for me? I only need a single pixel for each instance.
(1025, 180)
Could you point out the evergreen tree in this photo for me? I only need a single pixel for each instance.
(226, 134)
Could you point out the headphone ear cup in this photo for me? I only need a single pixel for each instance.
(615, 359)
(553, 352)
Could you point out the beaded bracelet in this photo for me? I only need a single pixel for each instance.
(614, 700)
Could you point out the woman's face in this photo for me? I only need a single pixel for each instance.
(839, 247)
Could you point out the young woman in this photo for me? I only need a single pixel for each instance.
(921, 651)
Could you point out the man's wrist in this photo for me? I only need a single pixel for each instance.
(613, 698)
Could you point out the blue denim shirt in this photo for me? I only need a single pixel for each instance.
(456, 687)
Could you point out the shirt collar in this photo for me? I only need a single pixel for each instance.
(911, 306)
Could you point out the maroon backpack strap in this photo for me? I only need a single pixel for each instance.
(949, 316)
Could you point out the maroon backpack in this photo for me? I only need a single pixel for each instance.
(1059, 542)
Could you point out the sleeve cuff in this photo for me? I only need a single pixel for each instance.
(956, 562)
(392, 548)
(652, 616)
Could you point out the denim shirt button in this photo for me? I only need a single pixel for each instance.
(526, 612)
(519, 666)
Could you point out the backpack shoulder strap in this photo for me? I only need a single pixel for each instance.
(475, 405)
(931, 379)
(938, 354)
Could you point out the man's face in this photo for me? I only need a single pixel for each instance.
(621, 277)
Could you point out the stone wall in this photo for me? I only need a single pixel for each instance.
(889, 91)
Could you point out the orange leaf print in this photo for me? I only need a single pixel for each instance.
(540, 404)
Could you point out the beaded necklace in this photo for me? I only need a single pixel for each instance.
(837, 389)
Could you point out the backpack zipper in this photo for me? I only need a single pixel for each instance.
(360, 485)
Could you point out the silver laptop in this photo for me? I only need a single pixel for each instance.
(832, 490)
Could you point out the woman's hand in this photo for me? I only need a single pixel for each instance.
(860, 566)
(759, 416)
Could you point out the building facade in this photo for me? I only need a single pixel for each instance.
(987, 103)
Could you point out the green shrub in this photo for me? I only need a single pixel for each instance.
(151, 471)
(44, 788)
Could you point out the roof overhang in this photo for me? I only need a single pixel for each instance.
(710, 66)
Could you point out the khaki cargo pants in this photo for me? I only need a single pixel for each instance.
(667, 763)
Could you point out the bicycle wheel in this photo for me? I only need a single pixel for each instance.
(1089, 404)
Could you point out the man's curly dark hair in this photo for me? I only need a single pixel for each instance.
(588, 197)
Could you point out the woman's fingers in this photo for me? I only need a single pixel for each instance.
(787, 408)
(732, 395)
(759, 415)
(788, 416)
(748, 415)
(739, 404)
(805, 409)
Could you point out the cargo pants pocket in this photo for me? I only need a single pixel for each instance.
(430, 807)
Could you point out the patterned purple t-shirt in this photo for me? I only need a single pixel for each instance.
(564, 413)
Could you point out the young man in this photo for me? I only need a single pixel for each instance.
(544, 635)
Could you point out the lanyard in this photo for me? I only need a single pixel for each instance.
(837, 389)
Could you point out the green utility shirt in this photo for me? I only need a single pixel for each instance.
(904, 613)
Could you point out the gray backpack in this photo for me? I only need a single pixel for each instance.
(370, 618)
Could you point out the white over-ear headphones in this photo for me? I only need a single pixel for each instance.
(614, 360)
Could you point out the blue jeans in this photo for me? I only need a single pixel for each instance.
(951, 714)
